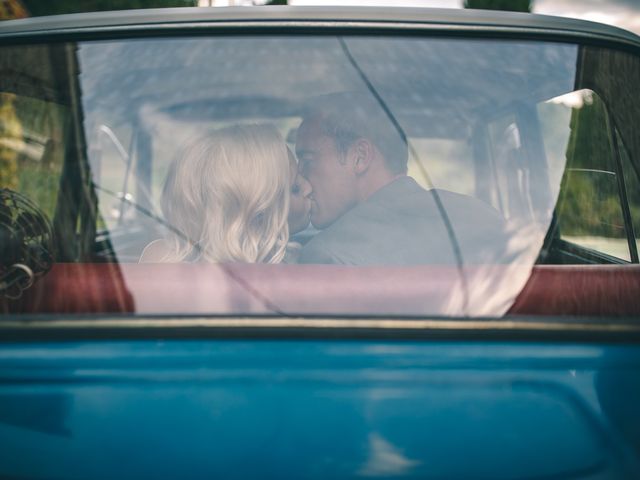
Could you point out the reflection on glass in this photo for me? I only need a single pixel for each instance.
(504, 164)
(590, 210)
(632, 183)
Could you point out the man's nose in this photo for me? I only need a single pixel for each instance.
(306, 187)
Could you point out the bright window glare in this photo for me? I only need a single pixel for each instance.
(574, 99)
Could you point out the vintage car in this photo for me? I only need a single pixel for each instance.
(506, 345)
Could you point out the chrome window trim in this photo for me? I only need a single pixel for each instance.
(184, 20)
(29, 328)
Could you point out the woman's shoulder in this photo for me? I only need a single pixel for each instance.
(292, 253)
(155, 251)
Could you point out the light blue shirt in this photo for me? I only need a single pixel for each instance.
(401, 224)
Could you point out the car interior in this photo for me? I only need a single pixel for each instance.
(98, 156)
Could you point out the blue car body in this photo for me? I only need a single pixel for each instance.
(319, 408)
(182, 397)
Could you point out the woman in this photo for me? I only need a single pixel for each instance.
(227, 198)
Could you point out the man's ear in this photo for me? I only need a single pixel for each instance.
(362, 152)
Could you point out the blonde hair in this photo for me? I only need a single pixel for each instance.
(226, 197)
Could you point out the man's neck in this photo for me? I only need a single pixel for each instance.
(373, 184)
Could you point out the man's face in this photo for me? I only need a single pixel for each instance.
(330, 175)
(300, 198)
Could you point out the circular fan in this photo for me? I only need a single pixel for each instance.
(26, 243)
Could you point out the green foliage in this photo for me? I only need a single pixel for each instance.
(40, 184)
(38, 134)
(507, 5)
(38, 7)
(589, 209)
(590, 201)
(10, 141)
(589, 144)
(632, 182)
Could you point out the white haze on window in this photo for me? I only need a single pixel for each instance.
(164, 88)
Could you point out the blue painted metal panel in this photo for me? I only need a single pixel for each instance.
(317, 409)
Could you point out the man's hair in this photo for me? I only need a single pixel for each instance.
(348, 116)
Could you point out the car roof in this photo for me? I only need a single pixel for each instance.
(150, 21)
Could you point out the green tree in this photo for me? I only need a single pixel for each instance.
(508, 5)
(590, 202)
(10, 141)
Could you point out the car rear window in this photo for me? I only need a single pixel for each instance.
(319, 175)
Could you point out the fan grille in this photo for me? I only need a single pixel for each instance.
(26, 242)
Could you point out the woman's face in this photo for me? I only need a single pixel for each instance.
(300, 205)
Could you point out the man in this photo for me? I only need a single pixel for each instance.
(370, 212)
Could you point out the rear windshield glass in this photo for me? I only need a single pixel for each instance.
(319, 175)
